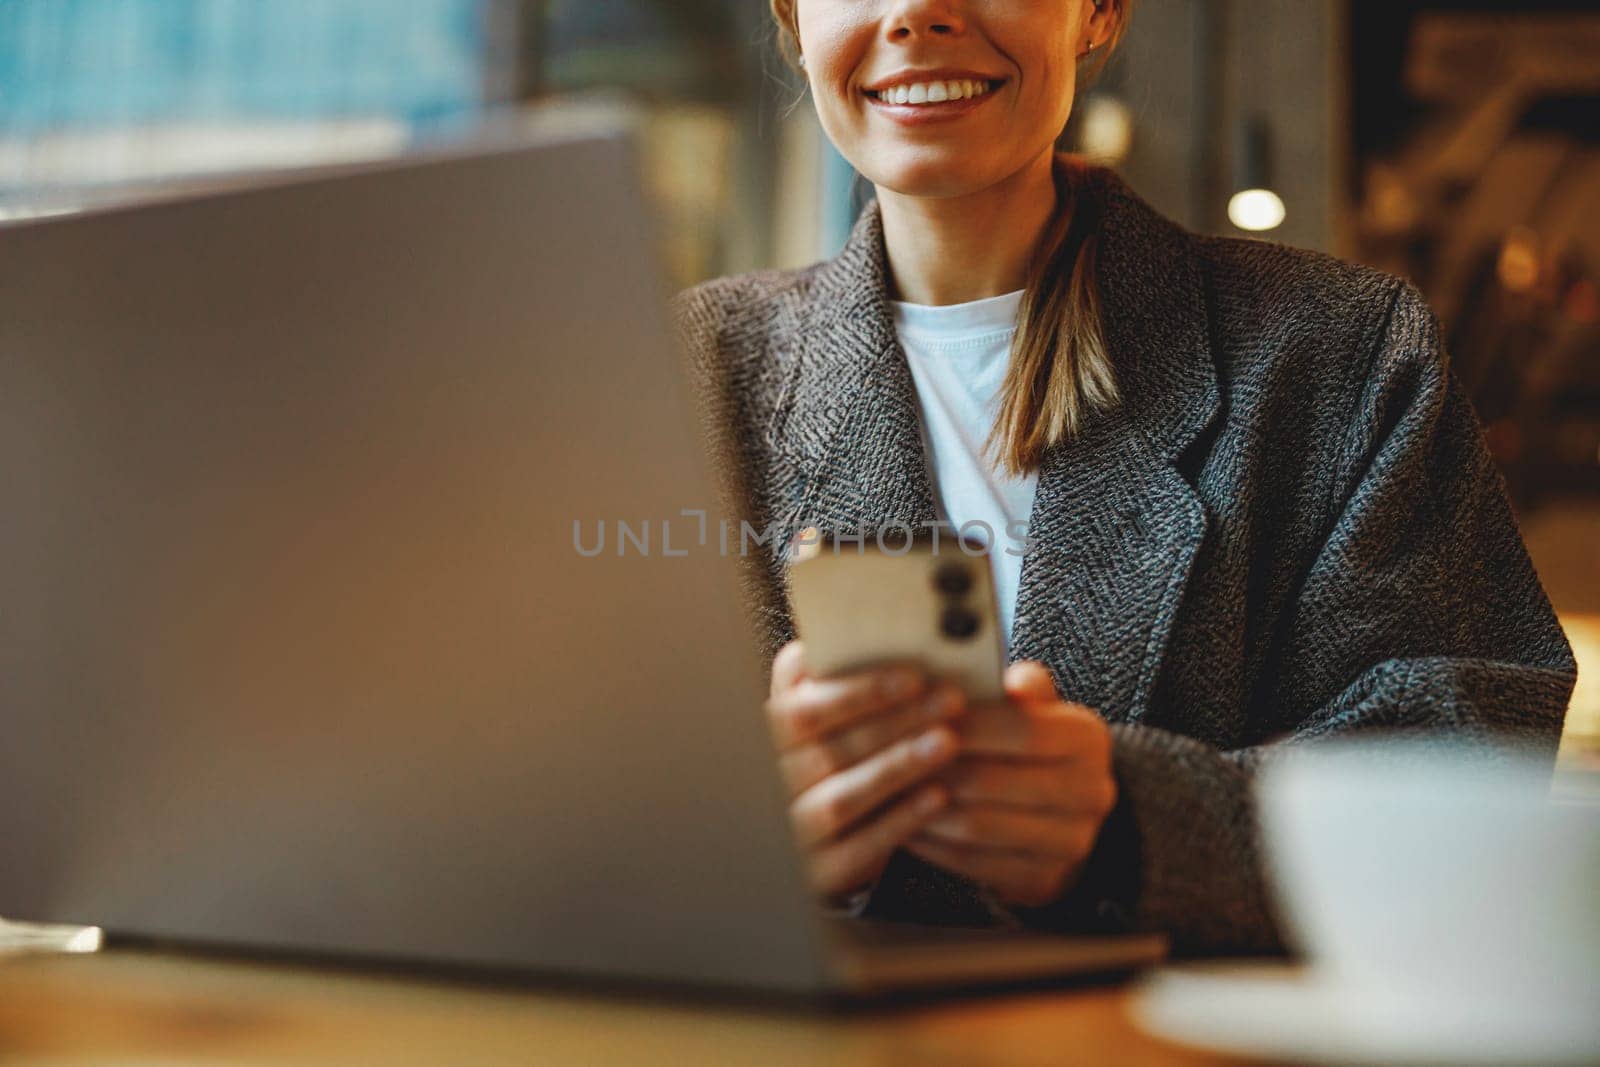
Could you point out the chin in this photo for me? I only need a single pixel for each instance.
(933, 175)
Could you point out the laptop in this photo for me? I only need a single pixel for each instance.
(305, 645)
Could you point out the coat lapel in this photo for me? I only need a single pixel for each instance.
(1115, 527)
(852, 419)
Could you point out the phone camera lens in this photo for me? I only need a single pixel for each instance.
(959, 624)
(953, 579)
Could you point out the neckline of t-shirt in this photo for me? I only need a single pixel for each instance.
(971, 321)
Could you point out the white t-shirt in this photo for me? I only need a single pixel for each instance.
(958, 355)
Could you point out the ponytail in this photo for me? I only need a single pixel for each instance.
(1060, 372)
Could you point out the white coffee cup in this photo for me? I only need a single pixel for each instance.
(1440, 888)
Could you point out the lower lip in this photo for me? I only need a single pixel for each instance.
(922, 114)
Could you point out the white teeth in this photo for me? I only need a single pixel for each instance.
(933, 92)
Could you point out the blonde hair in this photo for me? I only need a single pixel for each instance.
(1060, 372)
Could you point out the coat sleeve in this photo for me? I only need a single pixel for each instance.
(1420, 612)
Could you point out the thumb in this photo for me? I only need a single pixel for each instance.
(1030, 680)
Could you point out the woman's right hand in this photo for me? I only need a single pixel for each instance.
(859, 753)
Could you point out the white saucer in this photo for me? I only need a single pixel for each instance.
(1271, 1011)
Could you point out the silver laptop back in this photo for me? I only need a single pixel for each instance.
(299, 649)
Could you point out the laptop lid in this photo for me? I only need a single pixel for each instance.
(304, 643)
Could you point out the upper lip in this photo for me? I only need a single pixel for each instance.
(932, 74)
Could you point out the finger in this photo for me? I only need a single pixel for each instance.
(1030, 680)
(788, 667)
(805, 766)
(985, 826)
(1046, 785)
(1015, 877)
(861, 856)
(816, 707)
(836, 803)
(1036, 731)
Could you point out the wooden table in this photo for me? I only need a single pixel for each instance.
(123, 1007)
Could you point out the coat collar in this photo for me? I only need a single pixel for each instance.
(1114, 528)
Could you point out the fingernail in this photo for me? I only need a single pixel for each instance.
(933, 744)
(930, 802)
(901, 683)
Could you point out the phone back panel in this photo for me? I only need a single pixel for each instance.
(862, 606)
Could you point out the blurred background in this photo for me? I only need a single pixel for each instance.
(1451, 142)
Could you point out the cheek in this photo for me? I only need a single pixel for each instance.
(836, 39)
(1039, 41)
(836, 50)
(1045, 95)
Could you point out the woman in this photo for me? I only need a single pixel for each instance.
(1259, 507)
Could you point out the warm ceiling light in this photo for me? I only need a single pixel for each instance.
(1256, 209)
(1107, 131)
(1254, 205)
(1518, 267)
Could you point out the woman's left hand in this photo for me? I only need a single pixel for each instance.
(1029, 793)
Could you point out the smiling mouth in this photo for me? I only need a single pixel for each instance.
(922, 94)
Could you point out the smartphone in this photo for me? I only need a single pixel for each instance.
(859, 604)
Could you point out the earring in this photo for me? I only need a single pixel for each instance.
(802, 62)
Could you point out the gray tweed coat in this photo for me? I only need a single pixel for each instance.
(1292, 529)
